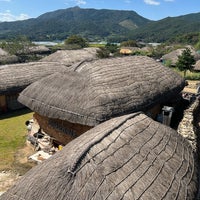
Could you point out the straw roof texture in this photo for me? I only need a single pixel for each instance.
(102, 89)
(197, 65)
(69, 57)
(5, 57)
(173, 56)
(38, 49)
(3, 52)
(130, 157)
(15, 77)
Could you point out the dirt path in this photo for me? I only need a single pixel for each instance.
(20, 167)
(7, 179)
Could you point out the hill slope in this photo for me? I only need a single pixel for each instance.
(111, 25)
(168, 28)
(90, 23)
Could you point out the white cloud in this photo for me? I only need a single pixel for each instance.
(8, 16)
(152, 2)
(80, 2)
(76, 2)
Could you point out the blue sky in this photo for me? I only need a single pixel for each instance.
(11, 10)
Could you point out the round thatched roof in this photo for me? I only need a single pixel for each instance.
(99, 90)
(5, 57)
(130, 157)
(173, 55)
(15, 77)
(69, 57)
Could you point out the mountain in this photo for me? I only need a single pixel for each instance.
(90, 23)
(93, 24)
(168, 28)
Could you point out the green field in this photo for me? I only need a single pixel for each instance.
(12, 136)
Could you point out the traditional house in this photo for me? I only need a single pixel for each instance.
(70, 57)
(173, 55)
(129, 50)
(6, 58)
(128, 157)
(15, 77)
(69, 103)
(197, 66)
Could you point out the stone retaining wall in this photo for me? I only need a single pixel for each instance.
(188, 127)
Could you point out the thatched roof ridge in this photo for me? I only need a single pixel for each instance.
(15, 77)
(102, 89)
(69, 57)
(130, 157)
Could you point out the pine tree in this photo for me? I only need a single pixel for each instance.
(185, 61)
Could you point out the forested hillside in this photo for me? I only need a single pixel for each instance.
(108, 25)
(169, 28)
(90, 23)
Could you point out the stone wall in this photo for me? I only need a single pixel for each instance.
(188, 127)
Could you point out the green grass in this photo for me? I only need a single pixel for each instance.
(189, 75)
(97, 45)
(12, 135)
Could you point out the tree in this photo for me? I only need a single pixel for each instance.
(76, 40)
(16, 46)
(129, 43)
(185, 61)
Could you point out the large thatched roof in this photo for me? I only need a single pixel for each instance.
(99, 90)
(130, 157)
(69, 57)
(15, 77)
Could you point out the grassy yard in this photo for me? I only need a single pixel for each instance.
(12, 136)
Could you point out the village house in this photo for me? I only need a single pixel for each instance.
(68, 104)
(16, 77)
(172, 57)
(129, 50)
(6, 58)
(127, 157)
(70, 57)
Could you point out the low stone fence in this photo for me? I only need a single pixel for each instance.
(189, 126)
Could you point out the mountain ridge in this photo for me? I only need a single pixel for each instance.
(102, 24)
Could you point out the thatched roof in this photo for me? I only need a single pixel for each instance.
(131, 157)
(173, 55)
(197, 65)
(34, 50)
(15, 77)
(38, 49)
(99, 90)
(69, 57)
(129, 50)
(3, 52)
(5, 57)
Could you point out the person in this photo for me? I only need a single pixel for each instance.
(28, 126)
